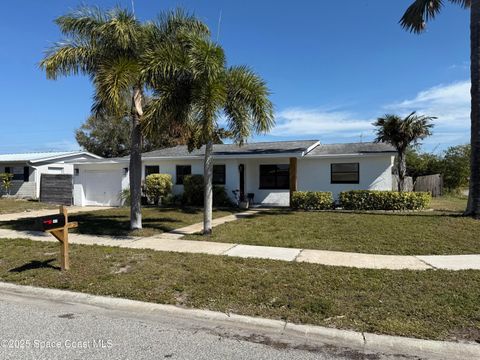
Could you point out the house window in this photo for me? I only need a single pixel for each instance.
(274, 176)
(182, 171)
(26, 174)
(76, 172)
(346, 173)
(219, 175)
(18, 172)
(152, 169)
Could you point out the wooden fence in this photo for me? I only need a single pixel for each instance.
(56, 189)
(430, 183)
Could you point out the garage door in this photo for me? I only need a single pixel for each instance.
(102, 188)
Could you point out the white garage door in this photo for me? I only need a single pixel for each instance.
(102, 188)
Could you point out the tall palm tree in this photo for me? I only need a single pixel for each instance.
(402, 133)
(206, 89)
(108, 47)
(415, 19)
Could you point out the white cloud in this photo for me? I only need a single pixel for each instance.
(311, 122)
(449, 103)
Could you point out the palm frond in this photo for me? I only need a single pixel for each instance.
(173, 23)
(422, 11)
(69, 58)
(463, 3)
(419, 13)
(248, 107)
(121, 31)
(113, 80)
(206, 59)
(166, 62)
(84, 22)
(403, 132)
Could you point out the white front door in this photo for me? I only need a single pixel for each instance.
(102, 188)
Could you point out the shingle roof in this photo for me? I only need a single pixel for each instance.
(351, 149)
(261, 148)
(37, 156)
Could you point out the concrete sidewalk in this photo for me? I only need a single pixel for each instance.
(172, 242)
(45, 212)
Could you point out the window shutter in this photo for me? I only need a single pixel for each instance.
(26, 174)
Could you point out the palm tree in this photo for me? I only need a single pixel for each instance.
(415, 19)
(205, 90)
(402, 133)
(108, 47)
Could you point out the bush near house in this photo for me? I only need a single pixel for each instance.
(5, 183)
(312, 200)
(193, 186)
(384, 200)
(158, 186)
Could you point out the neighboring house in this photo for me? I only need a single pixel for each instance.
(27, 169)
(268, 171)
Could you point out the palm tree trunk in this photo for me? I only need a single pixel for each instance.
(402, 170)
(208, 195)
(473, 208)
(136, 161)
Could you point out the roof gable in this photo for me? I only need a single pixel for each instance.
(36, 157)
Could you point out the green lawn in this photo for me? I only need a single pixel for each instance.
(116, 221)
(8, 205)
(450, 203)
(425, 304)
(425, 233)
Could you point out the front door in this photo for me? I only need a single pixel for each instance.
(241, 170)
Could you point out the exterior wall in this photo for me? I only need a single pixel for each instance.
(375, 173)
(20, 188)
(31, 189)
(313, 175)
(252, 183)
(169, 167)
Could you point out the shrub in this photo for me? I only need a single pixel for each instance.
(384, 200)
(193, 192)
(220, 197)
(310, 200)
(158, 186)
(6, 182)
(125, 197)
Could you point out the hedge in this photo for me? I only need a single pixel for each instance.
(311, 200)
(384, 200)
(193, 192)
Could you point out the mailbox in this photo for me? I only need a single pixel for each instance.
(52, 222)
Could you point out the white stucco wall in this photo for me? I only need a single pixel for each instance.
(375, 173)
(252, 183)
(169, 167)
(313, 175)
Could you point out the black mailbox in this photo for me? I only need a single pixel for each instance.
(52, 222)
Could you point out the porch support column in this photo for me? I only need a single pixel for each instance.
(293, 177)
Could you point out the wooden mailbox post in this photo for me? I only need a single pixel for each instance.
(58, 226)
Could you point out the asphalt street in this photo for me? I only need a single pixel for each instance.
(36, 328)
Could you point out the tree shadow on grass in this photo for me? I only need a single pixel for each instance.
(34, 265)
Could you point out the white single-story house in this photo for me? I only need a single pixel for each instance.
(265, 171)
(27, 169)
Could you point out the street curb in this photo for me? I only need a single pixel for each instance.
(367, 342)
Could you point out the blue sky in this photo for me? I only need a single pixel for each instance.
(332, 69)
